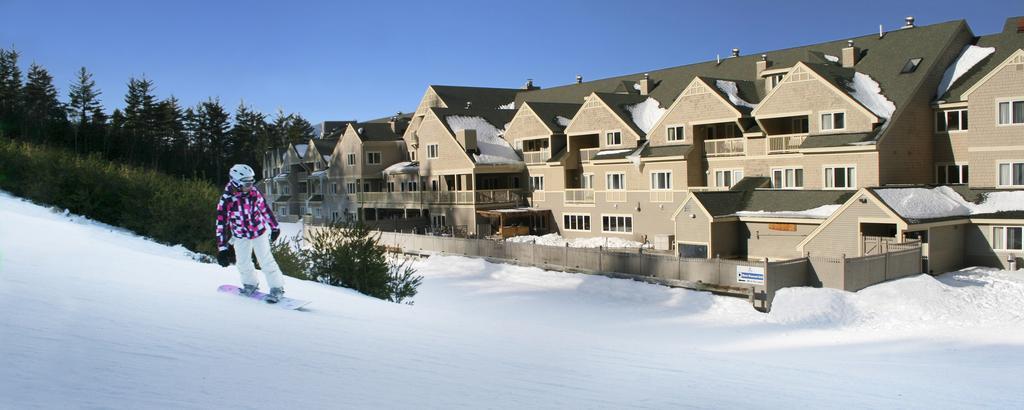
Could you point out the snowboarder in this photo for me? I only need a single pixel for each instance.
(245, 221)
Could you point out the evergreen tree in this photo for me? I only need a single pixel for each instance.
(171, 135)
(44, 113)
(299, 130)
(139, 119)
(10, 91)
(83, 101)
(248, 137)
(211, 129)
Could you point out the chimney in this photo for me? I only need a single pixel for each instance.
(645, 85)
(763, 64)
(397, 124)
(909, 22)
(1020, 25)
(529, 85)
(468, 139)
(850, 54)
(735, 52)
(579, 79)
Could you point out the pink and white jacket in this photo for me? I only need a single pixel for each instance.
(243, 215)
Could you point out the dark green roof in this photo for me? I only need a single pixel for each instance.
(751, 183)
(325, 146)
(376, 131)
(746, 90)
(618, 104)
(316, 198)
(724, 203)
(401, 115)
(665, 151)
(838, 140)
(497, 118)
(1005, 42)
(481, 97)
(547, 112)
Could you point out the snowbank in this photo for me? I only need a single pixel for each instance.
(820, 212)
(729, 88)
(564, 122)
(493, 148)
(968, 58)
(867, 91)
(612, 152)
(646, 114)
(944, 202)
(407, 167)
(554, 239)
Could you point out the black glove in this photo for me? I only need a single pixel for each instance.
(224, 257)
(274, 234)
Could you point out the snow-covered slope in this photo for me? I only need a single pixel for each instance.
(94, 317)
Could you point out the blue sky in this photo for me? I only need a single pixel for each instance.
(362, 60)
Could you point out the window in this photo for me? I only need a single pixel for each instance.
(576, 222)
(351, 159)
(726, 178)
(951, 174)
(800, 125)
(316, 212)
(911, 65)
(350, 187)
(676, 133)
(616, 224)
(1011, 112)
(438, 221)
(1011, 173)
(412, 155)
(537, 183)
(773, 80)
(615, 182)
(433, 185)
(952, 120)
(1007, 238)
(661, 180)
(587, 181)
(372, 158)
(432, 151)
(787, 178)
(710, 132)
(334, 188)
(833, 121)
(841, 177)
(287, 190)
(613, 138)
(391, 186)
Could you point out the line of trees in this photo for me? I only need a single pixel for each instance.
(201, 141)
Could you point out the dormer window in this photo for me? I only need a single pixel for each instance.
(951, 121)
(773, 81)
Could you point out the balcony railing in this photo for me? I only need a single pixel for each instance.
(617, 195)
(587, 154)
(780, 144)
(536, 157)
(487, 196)
(724, 147)
(579, 196)
(661, 196)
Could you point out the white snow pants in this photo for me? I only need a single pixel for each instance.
(244, 249)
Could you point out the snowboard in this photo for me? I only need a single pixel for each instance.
(285, 302)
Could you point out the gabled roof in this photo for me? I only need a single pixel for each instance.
(325, 146)
(838, 140)
(480, 97)
(1005, 42)
(924, 203)
(549, 113)
(618, 104)
(493, 149)
(726, 203)
(747, 91)
(376, 131)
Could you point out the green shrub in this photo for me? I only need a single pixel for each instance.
(288, 258)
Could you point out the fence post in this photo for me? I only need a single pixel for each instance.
(565, 255)
(600, 257)
(641, 252)
(885, 275)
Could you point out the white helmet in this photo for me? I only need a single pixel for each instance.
(242, 174)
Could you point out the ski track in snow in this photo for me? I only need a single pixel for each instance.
(97, 317)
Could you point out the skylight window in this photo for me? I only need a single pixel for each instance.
(911, 65)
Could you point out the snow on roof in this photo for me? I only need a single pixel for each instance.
(301, 149)
(832, 58)
(636, 86)
(406, 167)
(319, 173)
(493, 148)
(327, 158)
(729, 88)
(614, 151)
(562, 121)
(944, 202)
(969, 57)
(646, 114)
(511, 105)
(867, 92)
(820, 212)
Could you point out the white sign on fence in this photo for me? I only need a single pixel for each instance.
(750, 274)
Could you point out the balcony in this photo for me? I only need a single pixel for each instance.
(616, 195)
(724, 147)
(536, 157)
(588, 154)
(390, 198)
(579, 196)
(781, 144)
(661, 196)
(488, 196)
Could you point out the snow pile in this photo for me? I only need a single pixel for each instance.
(612, 152)
(832, 58)
(407, 167)
(821, 212)
(944, 202)
(969, 57)
(646, 114)
(867, 92)
(511, 105)
(301, 149)
(493, 148)
(554, 239)
(564, 122)
(813, 306)
(729, 88)
(319, 173)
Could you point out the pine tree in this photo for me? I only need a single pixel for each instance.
(299, 130)
(139, 118)
(10, 92)
(172, 136)
(211, 129)
(83, 101)
(248, 137)
(44, 113)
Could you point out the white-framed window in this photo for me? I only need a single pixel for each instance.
(334, 188)
(728, 177)
(1007, 238)
(316, 212)
(773, 81)
(587, 181)
(351, 159)
(615, 181)
(617, 223)
(391, 186)
(676, 133)
(951, 121)
(412, 155)
(800, 125)
(661, 180)
(831, 121)
(373, 158)
(787, 178)
(951, 174)
(282, 210)
(1011, 173)
(537, 183)
(1011, 112)
(287, 190)
(576, 222)
(351, 187)
(438, 221)
(840, 177)
(613, 138)
(432, 151)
